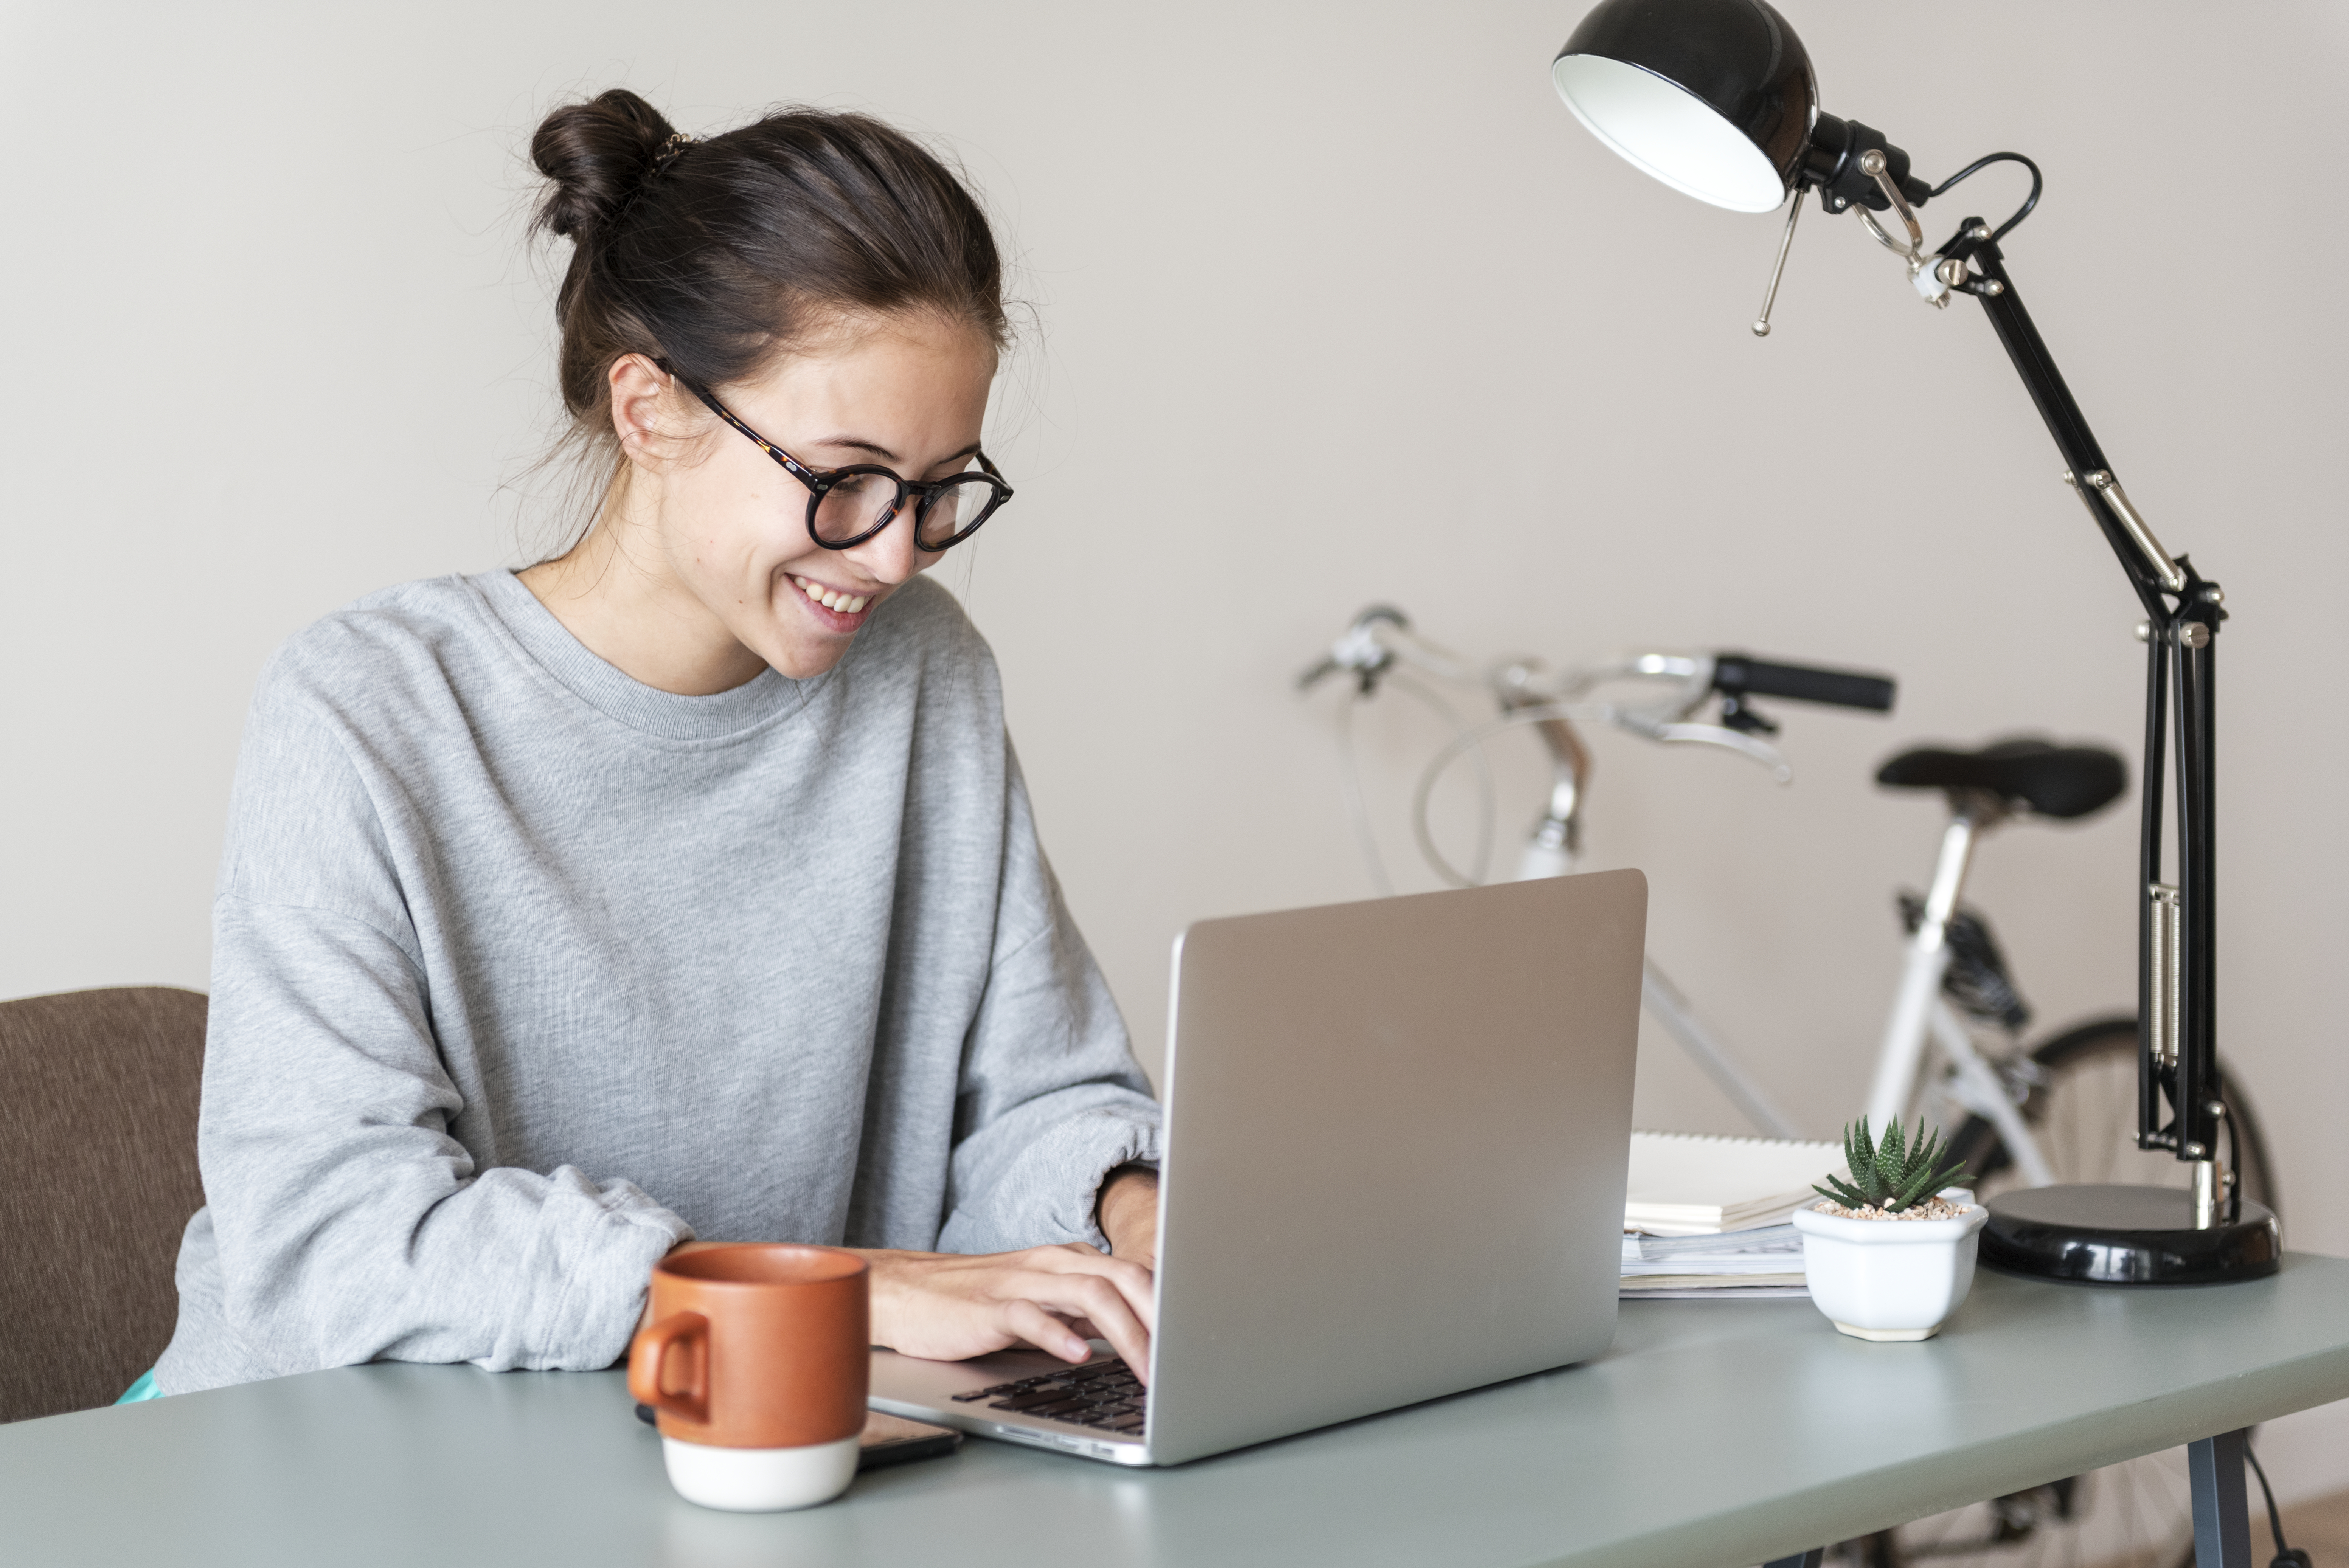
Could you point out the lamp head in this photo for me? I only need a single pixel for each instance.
(1714, 98)
(1717, 99)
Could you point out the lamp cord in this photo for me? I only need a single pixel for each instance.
(2285, 1556)
(1980, 163)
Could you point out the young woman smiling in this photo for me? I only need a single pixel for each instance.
(684, 884)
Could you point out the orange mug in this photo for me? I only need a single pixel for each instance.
(756, 1360)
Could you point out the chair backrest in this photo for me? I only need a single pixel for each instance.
(98, 1178)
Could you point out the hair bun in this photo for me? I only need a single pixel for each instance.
(595, 155)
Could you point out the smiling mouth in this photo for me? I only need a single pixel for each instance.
(832, 599)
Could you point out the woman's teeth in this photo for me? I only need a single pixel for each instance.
(833, 598)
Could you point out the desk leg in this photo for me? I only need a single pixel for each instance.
(2222, 1519)
(1802, 1559)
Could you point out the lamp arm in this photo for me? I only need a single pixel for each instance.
(2177, 929)
(2028, 350)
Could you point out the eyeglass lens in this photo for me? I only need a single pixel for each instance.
(857, 502)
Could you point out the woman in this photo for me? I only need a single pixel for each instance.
(683, 885)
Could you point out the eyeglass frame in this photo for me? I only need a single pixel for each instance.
(820, 482)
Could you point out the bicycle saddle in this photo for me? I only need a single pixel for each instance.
(2060, 782)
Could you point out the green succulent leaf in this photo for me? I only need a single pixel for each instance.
(1859, 1151)
(1843, 1193)
(1952, 1174)
(1909, 1180)
(1891, 1157)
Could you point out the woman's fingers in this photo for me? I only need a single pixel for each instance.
(1026, 1320)
(1098, 1301)
(1132, 1281)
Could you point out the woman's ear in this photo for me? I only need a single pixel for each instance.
(644, 407)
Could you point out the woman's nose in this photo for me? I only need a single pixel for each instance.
(889, 556)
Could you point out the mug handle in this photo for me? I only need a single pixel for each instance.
(648, 1367)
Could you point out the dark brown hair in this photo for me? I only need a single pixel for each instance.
(713, 256)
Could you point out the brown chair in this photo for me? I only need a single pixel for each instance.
(98, 1178)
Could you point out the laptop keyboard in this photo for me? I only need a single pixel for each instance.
(1102, 1394)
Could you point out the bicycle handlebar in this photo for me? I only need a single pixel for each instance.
(1736, 674)
(1554, 701)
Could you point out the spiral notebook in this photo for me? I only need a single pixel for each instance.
(1698, 1184)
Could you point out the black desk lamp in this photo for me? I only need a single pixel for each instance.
(1717, 99)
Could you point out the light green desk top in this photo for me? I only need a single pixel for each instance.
(1714, 1433)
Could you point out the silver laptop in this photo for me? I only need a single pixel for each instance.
(1396, 1136)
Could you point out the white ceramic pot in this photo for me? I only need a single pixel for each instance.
(760, 1481)
(1889, 1279)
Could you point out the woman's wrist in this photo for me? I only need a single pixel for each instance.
(1127, 1212)
(889, 1278)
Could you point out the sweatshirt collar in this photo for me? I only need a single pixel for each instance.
(621, 697)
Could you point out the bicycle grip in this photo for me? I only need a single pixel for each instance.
(1737, 674)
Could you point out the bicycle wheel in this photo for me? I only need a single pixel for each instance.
(2083, 1112)
(2134, 1515)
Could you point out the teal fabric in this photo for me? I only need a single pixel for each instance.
(142, 1390)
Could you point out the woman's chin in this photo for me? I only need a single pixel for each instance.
(802, 656)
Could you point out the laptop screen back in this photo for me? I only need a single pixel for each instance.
(1396, 1141)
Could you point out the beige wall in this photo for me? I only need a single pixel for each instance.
(1337, 304)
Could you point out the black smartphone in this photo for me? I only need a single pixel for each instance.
(895, 1440)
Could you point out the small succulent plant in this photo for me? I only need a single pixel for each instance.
(1893, 1172)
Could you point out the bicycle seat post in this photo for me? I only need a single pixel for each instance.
(1973, 813)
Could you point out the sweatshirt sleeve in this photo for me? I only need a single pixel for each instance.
(1051, 1099)
(350, 1224)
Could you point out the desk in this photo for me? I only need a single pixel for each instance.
(1714, 1433)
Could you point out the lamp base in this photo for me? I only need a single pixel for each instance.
(2126, 1235)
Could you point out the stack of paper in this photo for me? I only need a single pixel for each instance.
(1709, 1216)
(1765, 1261)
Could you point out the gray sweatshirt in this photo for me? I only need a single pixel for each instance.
(525, 971)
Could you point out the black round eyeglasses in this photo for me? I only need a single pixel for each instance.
(848, 506)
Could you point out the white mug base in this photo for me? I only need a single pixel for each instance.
(760, 1481)
(1887, 1335)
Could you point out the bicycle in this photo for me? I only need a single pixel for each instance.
(2062, 1109)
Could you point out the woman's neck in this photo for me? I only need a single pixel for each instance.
(615, 591)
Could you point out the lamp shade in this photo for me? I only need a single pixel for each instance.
(1714, 98)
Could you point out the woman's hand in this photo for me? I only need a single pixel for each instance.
(944, 1306)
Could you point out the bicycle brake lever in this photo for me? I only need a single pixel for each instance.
(1745, 746)
(1359, 650)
